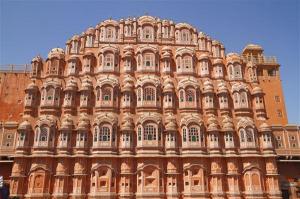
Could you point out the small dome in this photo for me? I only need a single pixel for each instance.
(128, 54)
(88, 53)
(253, 47)
(213, 127)
(204, 56)
(76, 38)
(168, 85)
(166, 48)
(264, 127)
(67, 123)
(127, 126)
(56, 52)
(32, 86)
(222, 88)
(227, 124)
(127, 123)
(37, 59)
(201, 35)
(84, 122)
(128, 48)
(233, 57)
(25, 125)
(166, 55)
(86, 84)
(257, 90)
(71, 85)
(165, 22)
(212, 123)
(170, 117)
(171, 126)
(208, 87)
(128, 86)
(90, 31)
(73, 57)
(217, 61)
(215, 42)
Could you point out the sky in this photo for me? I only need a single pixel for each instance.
(33, 27)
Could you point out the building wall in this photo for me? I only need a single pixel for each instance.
(12, 86)
(145, 108)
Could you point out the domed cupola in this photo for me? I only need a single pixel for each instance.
(83, 122)
(36, 66)
(55, 62)
(227, 124)
(71, 85)
(67, 123)
(212, 123)
(168, 85)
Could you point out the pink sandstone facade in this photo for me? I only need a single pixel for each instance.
(146, 108)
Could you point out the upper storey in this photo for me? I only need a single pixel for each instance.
(145, 29)
(161, 48)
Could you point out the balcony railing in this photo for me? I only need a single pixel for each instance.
(15, 68)
(260, 60)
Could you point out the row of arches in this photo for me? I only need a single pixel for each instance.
(143, 94)
(146, 59)
(149, 178)
(147, 134)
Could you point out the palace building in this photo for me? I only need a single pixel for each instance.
(147, 108)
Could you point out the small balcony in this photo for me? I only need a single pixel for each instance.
(148, 104)
(188, 105)
(107, 69)
(103, 147)
(186, 71)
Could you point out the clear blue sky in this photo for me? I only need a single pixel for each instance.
(31, 27)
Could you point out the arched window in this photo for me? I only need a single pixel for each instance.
(50, 95)
(43, 134)
(194, 134)
(204, 67)
(72, 67)
(75, 46)
(230, 72)
(252, 180)
(149, 60)
(106, 94)
(187, 62)
(139, 133)
(249, 135)
(255, 181)
(149, 94)
(89, 41)
(229, 139)
(109, 60)
(185, 36)
(104, 134)
(242, 135)
(165, 32)
(223, 101)
(181, 94)
(149, 132)
(243, 99)
(139, 94)
(81, 139)
(109, 33)
(148, 33)
(218, 71)
(38, 183)
(236, 100)
(190, 95)
(184, 134)
(237, 71)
